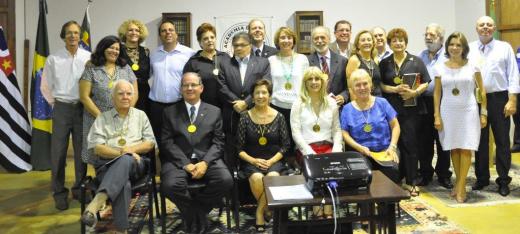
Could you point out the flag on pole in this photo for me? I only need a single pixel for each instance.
(85, 31)
(493, 15)
(15, 128)
(41, 110)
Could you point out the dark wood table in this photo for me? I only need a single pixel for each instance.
(382, 191)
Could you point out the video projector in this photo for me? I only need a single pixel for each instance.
(350, 170)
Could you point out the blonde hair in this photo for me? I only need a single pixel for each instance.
(355, 50)
(359, 74)
(289, 32)
(143, 31)
(309, 73)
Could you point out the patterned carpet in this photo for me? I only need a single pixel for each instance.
(416, 217)
(486, 197)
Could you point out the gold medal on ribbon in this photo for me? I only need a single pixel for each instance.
(367, 127)
(288, 86)
(192, 128)
(215, 71)
(316, 128)
(398, 80)
(262, 140)
(121, 142)
(110, 84)
(135, 67)
(455, 92)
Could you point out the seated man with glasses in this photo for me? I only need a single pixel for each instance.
(117, 137)
(192, 147)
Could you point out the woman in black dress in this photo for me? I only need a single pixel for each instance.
(132, 33)
(397, 71)
(263, 138)
(206, 63)
(364, 56)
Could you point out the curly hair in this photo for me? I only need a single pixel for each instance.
(143, 30)
(397, 33)
(289, 32)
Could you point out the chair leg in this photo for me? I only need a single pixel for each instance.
(150, 205)
(163, 213)
(236, 206)
(154, 186)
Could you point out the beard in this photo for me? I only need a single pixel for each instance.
(320, 49)
(434, 46)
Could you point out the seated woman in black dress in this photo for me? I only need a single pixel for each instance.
(263, 139)
(370, 126)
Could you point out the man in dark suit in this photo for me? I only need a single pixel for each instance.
(330, 63)
(192, 146)
(256, 30)
(237, 76)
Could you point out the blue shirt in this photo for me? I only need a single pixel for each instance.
(438, 58)
(167, 73)
(378, 116)
(497, 65)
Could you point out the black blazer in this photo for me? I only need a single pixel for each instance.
(178, 145)
(267, 52)
(337, 71)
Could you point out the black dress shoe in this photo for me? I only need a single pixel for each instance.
(479, 185)
(503, 189)
(203, 226)
(445, 182)
(61, 203)
(89, 219)
(515, 148)
(423, 181)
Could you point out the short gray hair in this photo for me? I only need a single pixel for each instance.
(194, 74)
(119, 82)
(438, 29)
(325, 29)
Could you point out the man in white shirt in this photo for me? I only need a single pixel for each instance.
(342, 45)
(380, 36)
(62, 72)
(500, 73)
(167, 63)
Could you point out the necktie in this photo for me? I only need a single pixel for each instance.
(325, 69)
(482, 48)
(257, 52)
(324, 65)
(192, 114)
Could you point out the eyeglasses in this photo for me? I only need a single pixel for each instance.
(188, 86)
(240, 45)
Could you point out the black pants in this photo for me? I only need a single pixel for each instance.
(500, 124)
(428, 135)
(174, 181)
(409, 146)
(516, 120)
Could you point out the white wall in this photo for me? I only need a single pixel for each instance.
(106, 16)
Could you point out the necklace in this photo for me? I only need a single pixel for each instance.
(122, 131)
(397, 79)
(368, 63)
(286, 75)
(133, 54)
(113, 77)
(367, 127)
(316, 127)
(263, 127)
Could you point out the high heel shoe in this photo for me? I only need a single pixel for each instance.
(461, 199)
(453, 193)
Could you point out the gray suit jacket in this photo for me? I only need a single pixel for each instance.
(334, 47)
(178, 145)
(337, 72)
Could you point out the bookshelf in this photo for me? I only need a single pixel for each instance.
(305, 21)
(182, 23)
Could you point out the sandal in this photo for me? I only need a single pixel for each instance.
(412, 189)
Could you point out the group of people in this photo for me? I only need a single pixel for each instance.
(262, 108)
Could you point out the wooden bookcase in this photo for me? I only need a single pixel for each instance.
(305, 21)
(182, 23)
